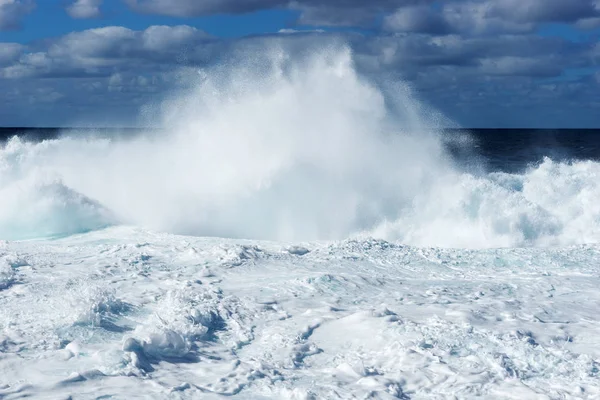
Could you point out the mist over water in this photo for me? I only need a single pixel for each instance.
(294, 148)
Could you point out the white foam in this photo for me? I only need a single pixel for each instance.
(7, 275)
(549, 205)
(349, 319)
(34, 202)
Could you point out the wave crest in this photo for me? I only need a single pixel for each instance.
(548, 205)
(33, 204)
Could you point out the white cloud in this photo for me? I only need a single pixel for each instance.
(10, 52)
(292, 31)
(84, 9)
(103, 52)
(98, 52)
(12, 12)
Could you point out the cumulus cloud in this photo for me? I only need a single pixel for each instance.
(12, 12)
(111, 50)
(9, 53)
(97, 52)
(84, 9)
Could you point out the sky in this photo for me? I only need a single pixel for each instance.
(482, 63)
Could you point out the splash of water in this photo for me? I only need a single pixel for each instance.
(296, 149)
(299, 149)
(551, 204)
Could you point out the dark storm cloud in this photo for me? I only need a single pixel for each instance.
(12, 12)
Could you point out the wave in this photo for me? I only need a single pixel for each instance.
(32, 209)
(295, 148)
(550, 204)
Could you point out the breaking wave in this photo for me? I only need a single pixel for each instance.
(33, 207)
(294, 148)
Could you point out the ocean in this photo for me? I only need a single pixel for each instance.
(300, 234)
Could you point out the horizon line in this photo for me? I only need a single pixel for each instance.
(34, 128)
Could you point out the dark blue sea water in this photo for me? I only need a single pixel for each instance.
(512, 150)
(507, 150)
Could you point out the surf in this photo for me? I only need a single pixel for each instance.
(291, 147)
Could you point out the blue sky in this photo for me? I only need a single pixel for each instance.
(483, 63)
